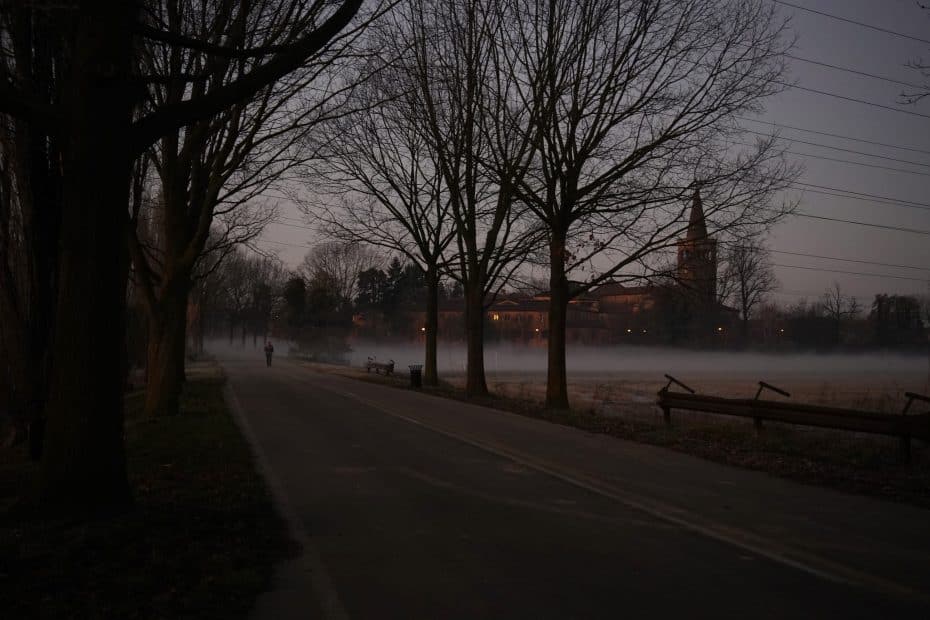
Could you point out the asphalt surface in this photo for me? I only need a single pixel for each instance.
(411, 506)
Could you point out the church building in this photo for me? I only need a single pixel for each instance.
(696, 272)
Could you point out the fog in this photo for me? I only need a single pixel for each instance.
(507, 358)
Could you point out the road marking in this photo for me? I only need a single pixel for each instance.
(320, 581)
(763, 547)
(529, 505)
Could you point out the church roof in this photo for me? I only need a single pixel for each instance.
(615, 288)
(697, 228)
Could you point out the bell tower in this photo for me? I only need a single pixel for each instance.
(697, 255)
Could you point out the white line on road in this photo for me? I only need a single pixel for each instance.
(761, 546)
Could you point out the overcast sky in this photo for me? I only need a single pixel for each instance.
(855, 47)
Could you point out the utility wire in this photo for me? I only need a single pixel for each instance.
(901, 201)
(834, 195)
(853, 71)
(837, 148)
(915, 231)
(833, 135)
(853, 273)
(853, 99)
(852, 21)
(834, 258)
(293, 245)
(851, 260)
(846, 161)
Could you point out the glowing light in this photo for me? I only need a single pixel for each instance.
(422, 329)
(719, 329)
(629, 331)
(495, 317)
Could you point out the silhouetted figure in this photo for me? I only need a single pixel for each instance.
(269, 349)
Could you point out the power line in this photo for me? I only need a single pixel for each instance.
(854, 273)
(846, 161)
(865, 196)
(838, 148)
(853, 99)
(797, 293)
(858, 163)
(834, 135)
(293, 245)
(280, 223)
(852, 21)
(915, 231)
(836, 258)
(853, 71)
(834, 195)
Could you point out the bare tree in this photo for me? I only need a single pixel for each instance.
(921, 66)
(219, 168)
(454, 64)
(340, 262)
(631, 106)
(748, 276)
(839, 308)
(379, 184)
(93, 117)
(30, 216)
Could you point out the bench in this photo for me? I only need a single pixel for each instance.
(901, 425)
(378, 367)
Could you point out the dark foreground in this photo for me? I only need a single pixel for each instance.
(419, 507)
(200, 542)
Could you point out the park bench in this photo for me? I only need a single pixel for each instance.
(900, 425)
(378, 367)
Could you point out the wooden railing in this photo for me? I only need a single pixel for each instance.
(903, 425)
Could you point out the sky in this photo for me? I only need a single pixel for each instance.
(904, 256)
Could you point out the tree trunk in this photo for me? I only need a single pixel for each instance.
(83, 464)
(167, 329)
(430, 370)
(556, 379)
(21, 387)
(475, 384)
(181, 349)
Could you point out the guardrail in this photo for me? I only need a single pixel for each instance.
(902, 425)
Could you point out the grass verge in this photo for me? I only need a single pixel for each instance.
(850, 462)
(200, 542)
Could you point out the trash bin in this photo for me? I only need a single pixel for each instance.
(416, 376)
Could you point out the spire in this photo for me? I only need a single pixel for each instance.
(697, 229)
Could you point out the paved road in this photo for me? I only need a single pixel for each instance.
(417, 507)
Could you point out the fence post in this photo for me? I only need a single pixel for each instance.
(667, 416)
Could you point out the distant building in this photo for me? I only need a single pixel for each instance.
(684, 310)
(697, 256)
(613, 313)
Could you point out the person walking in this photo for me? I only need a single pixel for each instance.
(269, 349)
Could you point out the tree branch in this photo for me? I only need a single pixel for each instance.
(171, 117)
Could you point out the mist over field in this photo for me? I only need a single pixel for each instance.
(505, 358)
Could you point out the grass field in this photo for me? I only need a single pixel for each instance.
(630, 392)
(200, 542)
